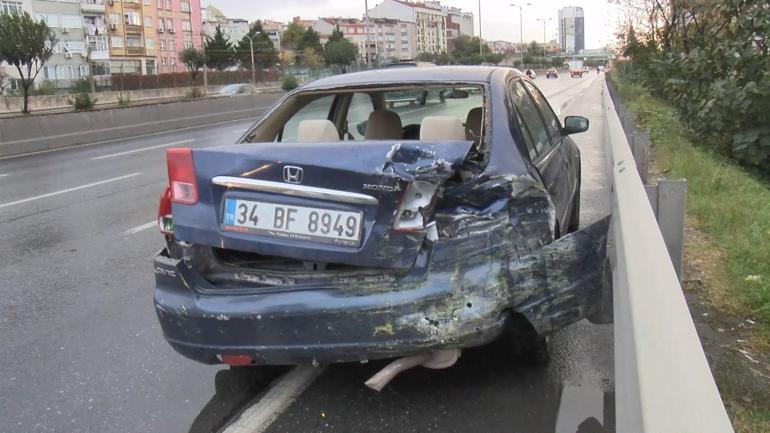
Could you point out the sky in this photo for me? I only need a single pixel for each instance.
(499, 20)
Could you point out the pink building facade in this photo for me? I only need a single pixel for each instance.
(178, 26)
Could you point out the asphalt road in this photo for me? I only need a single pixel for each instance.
(82, 350)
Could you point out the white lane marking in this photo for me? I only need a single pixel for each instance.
(129, 152)
(140, 228)
(131, 137)
(258, 417)
(63, 191)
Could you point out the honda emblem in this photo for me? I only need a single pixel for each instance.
(292, 174)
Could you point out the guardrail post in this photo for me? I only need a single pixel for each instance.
(668, 200)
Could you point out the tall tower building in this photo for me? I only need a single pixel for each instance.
(572, 36)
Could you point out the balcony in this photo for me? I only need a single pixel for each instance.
(132, 28)
(99, 48)
(135, 51)
(92, 6)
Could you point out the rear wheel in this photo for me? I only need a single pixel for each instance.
(523, 344)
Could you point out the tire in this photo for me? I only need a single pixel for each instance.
(522, 344)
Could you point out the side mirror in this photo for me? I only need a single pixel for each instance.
(574, 125)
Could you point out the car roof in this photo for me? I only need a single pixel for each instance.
(438, 74)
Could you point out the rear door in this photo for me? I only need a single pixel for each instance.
(547, 153)
(570, 156)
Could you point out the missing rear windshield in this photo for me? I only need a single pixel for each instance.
(395, 113)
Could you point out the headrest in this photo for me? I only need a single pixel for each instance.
(383, 125)
(317, 130)
(473, 123)
(441, 128)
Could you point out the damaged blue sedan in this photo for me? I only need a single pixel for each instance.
(342, 227)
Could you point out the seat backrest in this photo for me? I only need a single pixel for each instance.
(441, 128)
(317, 130)
(383, 125)
(473, 123)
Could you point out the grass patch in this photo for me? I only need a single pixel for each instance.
(728, 203)
(731, 207)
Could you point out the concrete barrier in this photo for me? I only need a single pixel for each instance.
(35, 133)
(14, 104)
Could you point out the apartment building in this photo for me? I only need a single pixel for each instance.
(131, 35)
(458, 22)
(234, 28)
(68, 62)
(429, 18)
(387, 38)
(178, 26)
(274, 30)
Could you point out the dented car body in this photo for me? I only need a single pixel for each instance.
(421, 238)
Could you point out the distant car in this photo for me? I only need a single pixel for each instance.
(531, 74)
(551, 73)
(338, 230)
(237, 89)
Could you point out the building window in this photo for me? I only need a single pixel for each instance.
(10, 7)
(71, 21)
(52, 20)
(116, 42)
(114, 19)
(171, 45)
(148, 21)
(134, 41)
(188, 44)
(149, 43)
(132, 18)
(162, 45)
(184, 6)
(170, 25)
(150, 67)
(161, 27)
(100, 68)
(168, 4)
(186, 26)
(82, 72)
(171, 60)
(148, 2)
(163, 61)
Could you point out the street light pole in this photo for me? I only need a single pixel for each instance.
(253, 74)
(481, 50)
(521, 29)
(544, 20)
(251, 46)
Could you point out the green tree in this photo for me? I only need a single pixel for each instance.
(220, 54)
(311, 58)
(265, 54)
(292, 36)
(466, 50)
(425, 57)
(194, 59)
(310, 39)
(26, 44)
(340, 51)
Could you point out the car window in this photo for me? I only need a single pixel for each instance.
(359, 110)
(316, 110)
(551, 121)
(528, 141)
(531, 117)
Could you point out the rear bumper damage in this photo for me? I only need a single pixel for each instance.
(471, 288)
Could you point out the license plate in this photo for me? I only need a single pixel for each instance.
(293, 222)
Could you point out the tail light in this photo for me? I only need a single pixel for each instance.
(414, 204)
(181, 175)
(165, 222)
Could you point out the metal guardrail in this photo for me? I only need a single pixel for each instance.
(663, 383)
